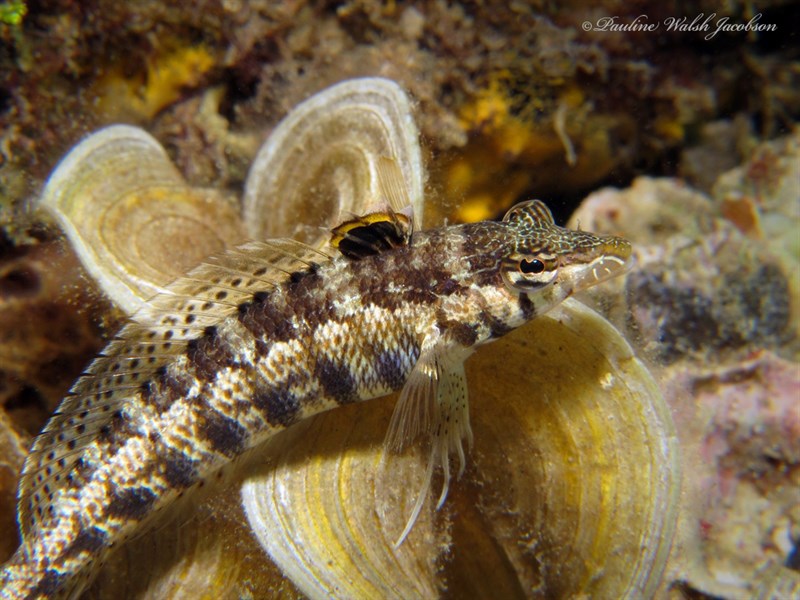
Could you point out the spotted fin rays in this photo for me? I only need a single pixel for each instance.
(434, 405)
(139, 355)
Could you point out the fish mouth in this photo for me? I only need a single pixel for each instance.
(613, 258)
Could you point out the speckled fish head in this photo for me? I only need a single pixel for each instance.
(549, 260)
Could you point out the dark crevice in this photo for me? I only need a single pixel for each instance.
(26, 397)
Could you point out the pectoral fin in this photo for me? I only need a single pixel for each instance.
(434, 404)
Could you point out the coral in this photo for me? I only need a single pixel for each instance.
(748, 305)
(702, 287)
(760, 198)
(717, 275)
(712, 303)
(740, 437)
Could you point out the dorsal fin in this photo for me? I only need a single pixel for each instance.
(157, 334)
(371, 234)
(380, 230)
(395, 191)
(533, 212)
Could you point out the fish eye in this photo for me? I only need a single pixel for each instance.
(531, 271)
(531, 267)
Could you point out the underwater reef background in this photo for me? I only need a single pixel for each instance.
(688, 146)
(514, 92)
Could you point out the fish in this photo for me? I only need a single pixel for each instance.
(266, 335)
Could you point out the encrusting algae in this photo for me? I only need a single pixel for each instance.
(536, 141)
(164, 79)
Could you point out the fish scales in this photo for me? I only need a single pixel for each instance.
(184, 393)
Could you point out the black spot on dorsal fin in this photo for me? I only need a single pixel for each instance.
(371, 234)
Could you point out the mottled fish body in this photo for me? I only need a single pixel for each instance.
(265, 336)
